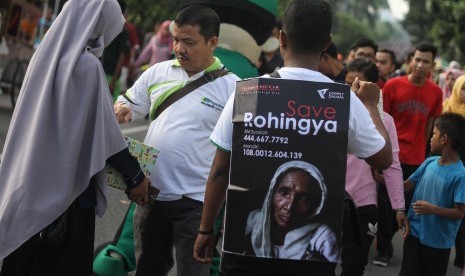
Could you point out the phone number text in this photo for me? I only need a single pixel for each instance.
(273, 154)
(266, 139)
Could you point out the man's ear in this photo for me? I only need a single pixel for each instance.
(212, 43)
(444, 139)
(283, 42)
(327, 43)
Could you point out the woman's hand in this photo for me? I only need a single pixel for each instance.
(139, 194)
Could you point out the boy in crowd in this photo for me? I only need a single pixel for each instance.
(386, 63)
(366, 48)
(438, 201)
(413, 101)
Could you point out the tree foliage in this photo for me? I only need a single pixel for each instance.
(362, 18)
(363, 10)
(439, 21)
(144, 13)
(353, 18)
(348, 31)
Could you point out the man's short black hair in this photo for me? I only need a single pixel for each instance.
(331, 50)
(426, 46)
(364, 66)
(390, 53)
(366, 42)
(453, 125)
(307, 24)
(205, 17)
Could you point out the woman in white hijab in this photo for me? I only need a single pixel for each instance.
(282, 228)
(62, 133)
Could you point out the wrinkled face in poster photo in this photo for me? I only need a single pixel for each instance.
(286, 226)
(296, 197)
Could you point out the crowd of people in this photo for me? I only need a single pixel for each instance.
(404, 170)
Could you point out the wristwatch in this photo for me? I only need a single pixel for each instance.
(400, 210)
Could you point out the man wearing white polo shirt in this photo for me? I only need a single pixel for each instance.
(181, 134)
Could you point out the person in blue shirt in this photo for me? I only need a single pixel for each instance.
(438, 203)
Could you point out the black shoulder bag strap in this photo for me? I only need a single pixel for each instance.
(207, 77)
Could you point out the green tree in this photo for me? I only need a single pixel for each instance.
(363, 10)
(349, 30)
(439, 21)
(144, 13)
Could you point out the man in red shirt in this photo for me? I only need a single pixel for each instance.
(413, 101)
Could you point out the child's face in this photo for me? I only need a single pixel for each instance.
(436, 141)
(351, 76)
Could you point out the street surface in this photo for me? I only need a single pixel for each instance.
(118, 203)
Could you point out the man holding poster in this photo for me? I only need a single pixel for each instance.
(301, 117)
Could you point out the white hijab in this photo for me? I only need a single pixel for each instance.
(258, 222)
(63, 128)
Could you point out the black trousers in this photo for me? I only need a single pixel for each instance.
(354, 256)
(460, 245)
(421, 260)
(72, 258)
(387, 217)
(239, 265)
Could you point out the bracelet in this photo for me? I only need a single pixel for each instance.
(400, 211)
(204, 232)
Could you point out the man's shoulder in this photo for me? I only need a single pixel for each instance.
(430, 85)
(162, 66)
(231, 78)
(160, 72)
(395, 81)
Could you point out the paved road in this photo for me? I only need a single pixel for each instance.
(118, 203)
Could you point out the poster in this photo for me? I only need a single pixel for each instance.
(288, 166)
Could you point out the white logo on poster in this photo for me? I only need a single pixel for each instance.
(322, 93)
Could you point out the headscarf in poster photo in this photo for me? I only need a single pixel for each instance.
(297, 240)
(63, 128)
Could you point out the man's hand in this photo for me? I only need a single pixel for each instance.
(123, 112)
(402, 223)
(367, 92)
(139, 194)
(203, 248)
